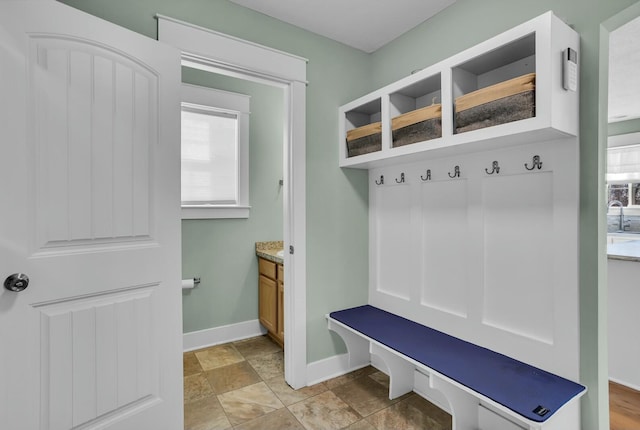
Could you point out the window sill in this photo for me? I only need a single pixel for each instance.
(215, 212)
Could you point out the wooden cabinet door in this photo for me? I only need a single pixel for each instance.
(280, 311)
(267, 303)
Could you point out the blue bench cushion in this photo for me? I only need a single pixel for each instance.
(526, 390)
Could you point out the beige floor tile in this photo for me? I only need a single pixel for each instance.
(249, 402)
(205, 414)
(190, 364)
(241, 385)
(332, 383)
(381, 379)
(268, 366)
(361, 425)
(288, 395)
(324, 412)
(256, 346)
(218, 356)
(232, 377)
(364, 395)
(196, 387)
(281, 419)
(413, 413)
(430, 410)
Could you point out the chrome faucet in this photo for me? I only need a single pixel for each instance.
(621, 218)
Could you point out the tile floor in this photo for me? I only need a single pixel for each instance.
(240, 385)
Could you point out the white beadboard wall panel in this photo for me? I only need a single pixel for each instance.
(518, 259)
(92, 181)
(393, 239)
(488, 258)
(444, 229)
(97, 356)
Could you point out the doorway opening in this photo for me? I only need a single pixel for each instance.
(620, 146)
(218, 53)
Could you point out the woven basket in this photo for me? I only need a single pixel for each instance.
(505, 102)
(417, 126)
(365, 139)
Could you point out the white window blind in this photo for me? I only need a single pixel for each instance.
(209, 157)
(623, 164)
(215, 153)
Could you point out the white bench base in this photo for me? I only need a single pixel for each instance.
(469, 409)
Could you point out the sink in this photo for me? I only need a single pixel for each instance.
(280, 254)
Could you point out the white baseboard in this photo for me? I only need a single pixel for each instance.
(626, 384)
(323, 370)
(224, 334)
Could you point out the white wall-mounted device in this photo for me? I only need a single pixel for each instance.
(570, 70)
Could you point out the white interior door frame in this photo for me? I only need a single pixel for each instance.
(216, 52)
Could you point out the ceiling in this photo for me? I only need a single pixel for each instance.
(624, 72)
(363, 24)
(370, 24)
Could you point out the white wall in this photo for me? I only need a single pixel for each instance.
(624, 322)
(491, 259)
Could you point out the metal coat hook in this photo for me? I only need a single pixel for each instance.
(381, 180)
(401, 179)
(456, 172)
(536, 163)
(495, 168)
(428, 177)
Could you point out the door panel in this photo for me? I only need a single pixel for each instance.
(96, 116)
(89, 116)
(103, 345)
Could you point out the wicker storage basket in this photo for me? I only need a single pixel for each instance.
(417, 126)
(501, 103)
(365, 139)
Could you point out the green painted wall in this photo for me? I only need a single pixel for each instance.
(222, 251)
(337, 199)
(624, 127)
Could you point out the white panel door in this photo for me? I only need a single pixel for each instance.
(89, 192)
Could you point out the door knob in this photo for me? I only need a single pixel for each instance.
(16, 282)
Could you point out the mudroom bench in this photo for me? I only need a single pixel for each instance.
(480, 385)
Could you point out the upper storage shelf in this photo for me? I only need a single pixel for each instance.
(505, 91)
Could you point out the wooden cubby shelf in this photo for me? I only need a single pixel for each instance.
(534, 48)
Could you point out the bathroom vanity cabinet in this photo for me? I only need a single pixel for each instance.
(271, 298)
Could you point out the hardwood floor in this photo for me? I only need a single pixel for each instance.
(624, 407)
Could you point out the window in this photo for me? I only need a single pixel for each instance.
(214, 146)
(623, 175)
(627, 194)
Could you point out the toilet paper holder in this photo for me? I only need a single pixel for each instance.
(190, 283)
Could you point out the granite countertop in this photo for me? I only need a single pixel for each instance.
(269, 251)
(629, 251)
